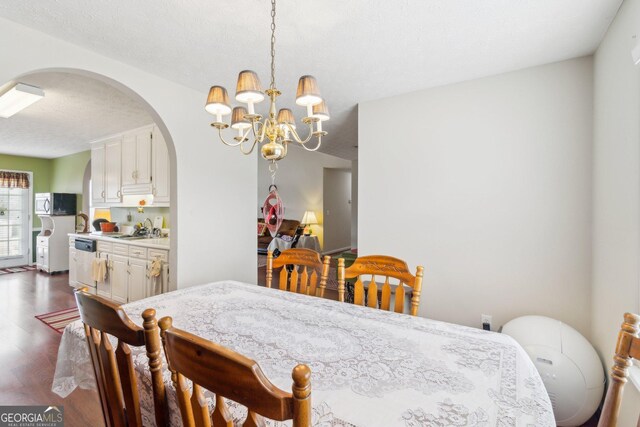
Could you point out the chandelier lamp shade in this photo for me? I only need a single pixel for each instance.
(279, 128)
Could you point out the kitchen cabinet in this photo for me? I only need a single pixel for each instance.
(113, 162)
(106, 165)
(136, 157)
(160, 169)
(73, 266)
(103, 287)
(138, 278)
(119, 277)
(135, 163)
(42, 258)
(98, 193)
(129, 270)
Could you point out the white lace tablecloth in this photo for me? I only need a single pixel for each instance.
(369, 367)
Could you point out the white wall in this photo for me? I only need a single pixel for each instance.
(337, 209)
(354, 204)
(616, 184)
(209, 215)
(487, 185)
(299, 180)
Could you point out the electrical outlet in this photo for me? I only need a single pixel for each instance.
(486, 321)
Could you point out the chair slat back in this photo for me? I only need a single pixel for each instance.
(230, 376)
(627, 349)
(113, 367)
(307, 269)
(386, 267)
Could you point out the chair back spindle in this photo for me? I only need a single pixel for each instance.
(301, 271)
(376, 296)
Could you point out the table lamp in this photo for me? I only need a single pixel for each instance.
(308, 219)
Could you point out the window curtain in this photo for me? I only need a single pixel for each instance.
(14, 179)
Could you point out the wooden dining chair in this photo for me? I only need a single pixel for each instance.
(113, 369)
(627, 349)
(230, 376)
(382, 266)
(303, 277)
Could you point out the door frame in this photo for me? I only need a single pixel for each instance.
(29, 214)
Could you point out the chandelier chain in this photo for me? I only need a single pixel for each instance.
(273, 44)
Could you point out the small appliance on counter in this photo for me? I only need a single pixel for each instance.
(59, 204)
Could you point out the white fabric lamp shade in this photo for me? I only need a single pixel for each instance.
(218, 101)
(309, 218)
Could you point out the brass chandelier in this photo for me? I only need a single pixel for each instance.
(277, 130)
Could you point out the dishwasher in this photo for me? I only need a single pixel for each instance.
(85, 254)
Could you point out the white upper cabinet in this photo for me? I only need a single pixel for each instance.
(113, 161)
(136, 157)
(160, 168)
(98, 192)
(134, 163)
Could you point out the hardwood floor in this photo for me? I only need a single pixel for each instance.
(29, 348)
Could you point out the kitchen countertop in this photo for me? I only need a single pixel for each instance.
(154, 243)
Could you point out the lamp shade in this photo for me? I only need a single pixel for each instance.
(249, 88)
(308, 92)
(218, 101)
(321, 112)
(285, 115)
(309, 217)
(237, 118)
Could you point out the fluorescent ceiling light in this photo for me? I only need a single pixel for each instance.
(18, 98)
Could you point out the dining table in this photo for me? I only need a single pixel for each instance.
(369, 367)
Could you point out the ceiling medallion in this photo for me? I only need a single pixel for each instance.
(277, 130)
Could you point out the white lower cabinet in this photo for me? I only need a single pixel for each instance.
(119, 277)
(73, 267)
(128, 276)
(103, 287)
(138, 278)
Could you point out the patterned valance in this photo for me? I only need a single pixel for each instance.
(14, 179)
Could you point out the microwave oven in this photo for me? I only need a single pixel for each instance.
(55, 204)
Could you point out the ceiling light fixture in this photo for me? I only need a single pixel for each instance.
(279, 128)
(18, 98)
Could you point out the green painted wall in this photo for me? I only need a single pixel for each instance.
(67, 174)
(41, 169)
(61, 175)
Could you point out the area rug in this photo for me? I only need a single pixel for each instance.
(17, 269)
(57, 320)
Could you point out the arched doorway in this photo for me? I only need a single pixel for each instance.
(165, 134)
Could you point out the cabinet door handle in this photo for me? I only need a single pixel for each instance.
(119, 193)
(102, 194)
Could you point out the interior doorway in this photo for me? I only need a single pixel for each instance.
(337, 208)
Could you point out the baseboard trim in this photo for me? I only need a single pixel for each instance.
(335, 251)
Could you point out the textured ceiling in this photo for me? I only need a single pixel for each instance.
(74, 111)
(358, 49)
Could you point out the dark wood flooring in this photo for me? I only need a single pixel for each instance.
(29, 348)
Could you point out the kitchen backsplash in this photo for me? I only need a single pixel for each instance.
(119, 215)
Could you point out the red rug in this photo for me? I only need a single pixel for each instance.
(17, 269)
(58, 320)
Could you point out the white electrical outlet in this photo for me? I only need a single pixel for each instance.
(486, 318)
